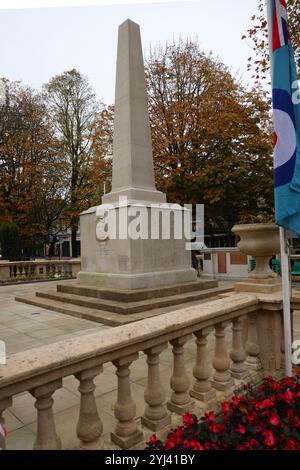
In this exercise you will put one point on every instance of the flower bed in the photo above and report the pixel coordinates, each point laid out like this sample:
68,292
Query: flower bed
265,418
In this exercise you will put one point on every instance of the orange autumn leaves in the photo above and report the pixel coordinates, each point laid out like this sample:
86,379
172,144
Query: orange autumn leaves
211,137
212,144
41,188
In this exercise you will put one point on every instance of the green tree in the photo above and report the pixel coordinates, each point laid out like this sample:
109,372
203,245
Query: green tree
9,241
75,113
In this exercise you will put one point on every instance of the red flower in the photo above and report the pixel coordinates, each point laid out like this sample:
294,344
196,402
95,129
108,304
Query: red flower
241,429
274,420
153,439
289,382
291,445
268,380
288,397
226,407
270,440
251,418
235,400
297,422
194,445
267,403
170,444
253,444
215,428
241,447
188,419
276,386
210,417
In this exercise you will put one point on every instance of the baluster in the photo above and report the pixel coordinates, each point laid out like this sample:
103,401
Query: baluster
4,404
89,426
156,416
252,346
238,354
126,433
202,389
222,379
46,439
180,399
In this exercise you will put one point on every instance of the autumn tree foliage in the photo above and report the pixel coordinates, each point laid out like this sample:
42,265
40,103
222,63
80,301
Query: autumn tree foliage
257,37
79,121
31,180
43,185
211,137
101,164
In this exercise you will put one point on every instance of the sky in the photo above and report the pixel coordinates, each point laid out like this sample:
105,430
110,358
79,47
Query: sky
37,44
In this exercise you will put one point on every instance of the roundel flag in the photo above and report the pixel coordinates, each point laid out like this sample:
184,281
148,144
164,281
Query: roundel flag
285,137
286,116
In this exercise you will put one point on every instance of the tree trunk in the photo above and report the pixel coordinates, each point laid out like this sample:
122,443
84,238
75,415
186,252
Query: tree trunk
74,243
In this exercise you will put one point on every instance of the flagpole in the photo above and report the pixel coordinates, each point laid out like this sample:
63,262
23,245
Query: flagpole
285,265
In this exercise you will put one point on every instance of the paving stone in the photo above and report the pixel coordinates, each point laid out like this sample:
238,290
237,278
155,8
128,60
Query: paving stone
21,439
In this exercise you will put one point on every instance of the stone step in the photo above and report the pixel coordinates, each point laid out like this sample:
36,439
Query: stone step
130,307
138,294
98,316
105,317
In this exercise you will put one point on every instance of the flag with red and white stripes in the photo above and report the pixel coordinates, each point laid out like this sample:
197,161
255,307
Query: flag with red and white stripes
281,35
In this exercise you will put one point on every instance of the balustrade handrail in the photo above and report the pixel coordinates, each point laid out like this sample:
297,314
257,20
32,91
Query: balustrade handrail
38,366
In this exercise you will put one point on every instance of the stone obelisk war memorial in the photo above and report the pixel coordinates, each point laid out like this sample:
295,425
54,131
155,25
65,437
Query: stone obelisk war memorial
124,279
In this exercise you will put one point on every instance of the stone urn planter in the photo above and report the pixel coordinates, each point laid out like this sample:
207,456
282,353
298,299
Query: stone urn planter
261,241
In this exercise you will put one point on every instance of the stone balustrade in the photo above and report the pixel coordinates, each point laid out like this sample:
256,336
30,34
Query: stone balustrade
38,269
40,371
